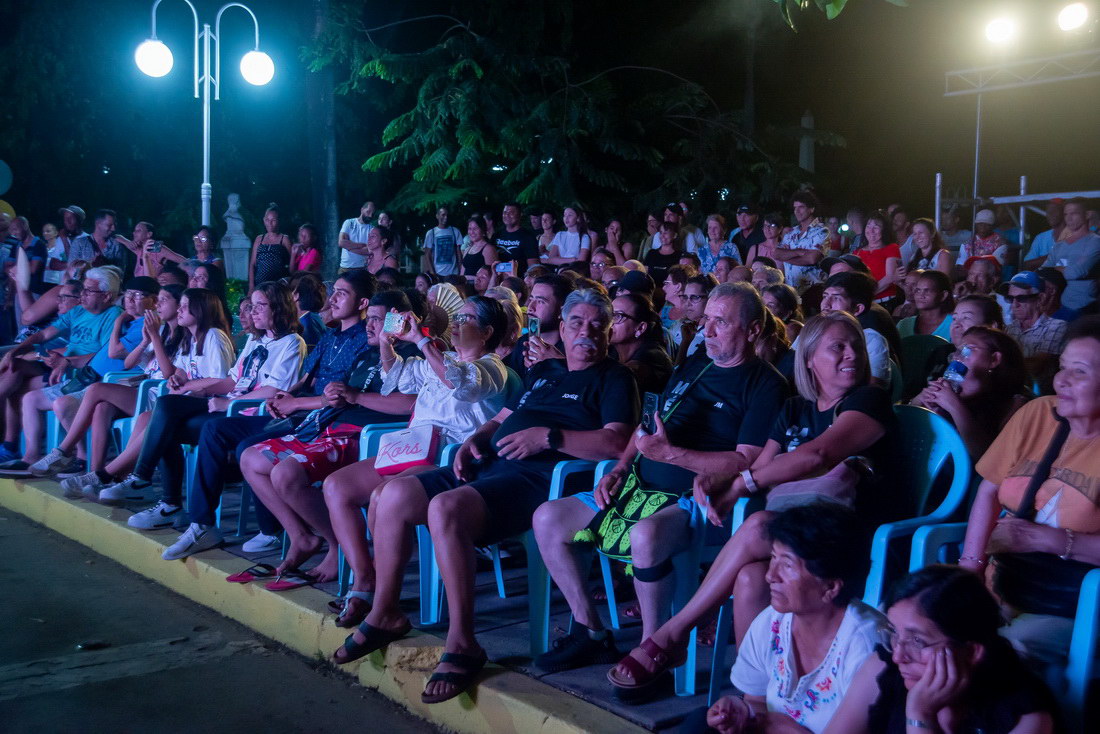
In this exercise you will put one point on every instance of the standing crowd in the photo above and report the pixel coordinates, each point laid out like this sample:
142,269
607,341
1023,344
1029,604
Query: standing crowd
705,363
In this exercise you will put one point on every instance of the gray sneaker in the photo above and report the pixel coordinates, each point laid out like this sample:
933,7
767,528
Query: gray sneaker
160,515
82,486
53,463
129,489
262,544
195,539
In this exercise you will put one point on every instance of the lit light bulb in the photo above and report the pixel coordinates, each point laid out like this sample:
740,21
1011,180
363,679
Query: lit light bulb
1000,30
257,68
1073,16
153,58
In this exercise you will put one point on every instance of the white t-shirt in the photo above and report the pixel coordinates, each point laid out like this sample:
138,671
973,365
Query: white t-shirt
443,243
356,232
570,244
278,369
764,665
57,252
215,361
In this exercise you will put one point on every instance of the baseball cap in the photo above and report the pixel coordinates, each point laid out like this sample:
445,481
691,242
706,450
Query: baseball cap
636,281
851,260
748,209
74,209
1053,276
985,216
988,258
142,283
1026,279
675,209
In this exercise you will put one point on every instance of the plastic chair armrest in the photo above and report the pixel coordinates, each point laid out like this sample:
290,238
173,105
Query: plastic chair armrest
928,540
1083,644
371,436
563,470
236,407
117,376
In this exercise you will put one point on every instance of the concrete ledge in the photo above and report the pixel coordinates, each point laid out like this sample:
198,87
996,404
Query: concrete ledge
504,700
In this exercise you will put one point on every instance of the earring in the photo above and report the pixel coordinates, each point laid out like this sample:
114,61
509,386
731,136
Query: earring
637,335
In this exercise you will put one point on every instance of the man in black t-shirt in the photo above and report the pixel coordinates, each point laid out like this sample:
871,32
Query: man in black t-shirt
515,245
748,233
717,415
581,407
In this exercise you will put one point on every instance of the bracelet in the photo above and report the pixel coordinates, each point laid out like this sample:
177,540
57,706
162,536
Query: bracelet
976,559
424,340
917,723
750,483
1069,545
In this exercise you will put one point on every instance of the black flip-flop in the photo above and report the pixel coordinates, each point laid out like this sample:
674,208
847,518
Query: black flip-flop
375,638
471,666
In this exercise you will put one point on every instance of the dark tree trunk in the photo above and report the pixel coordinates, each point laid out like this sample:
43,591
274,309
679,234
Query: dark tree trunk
322,149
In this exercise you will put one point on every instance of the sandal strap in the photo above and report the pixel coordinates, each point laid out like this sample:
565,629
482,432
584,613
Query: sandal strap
364,595
455,679
466,662
655,652
261,570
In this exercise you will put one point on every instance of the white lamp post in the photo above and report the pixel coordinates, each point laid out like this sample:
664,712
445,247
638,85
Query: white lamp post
155,59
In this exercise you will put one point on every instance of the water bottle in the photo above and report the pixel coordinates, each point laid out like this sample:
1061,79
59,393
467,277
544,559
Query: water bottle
955,374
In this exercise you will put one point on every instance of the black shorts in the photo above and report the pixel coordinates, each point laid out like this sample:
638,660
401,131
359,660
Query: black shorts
512,491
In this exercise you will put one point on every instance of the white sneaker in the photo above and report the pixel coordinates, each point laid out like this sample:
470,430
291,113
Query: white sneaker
130,488
53,463
262,544
195,539
160,515
84,485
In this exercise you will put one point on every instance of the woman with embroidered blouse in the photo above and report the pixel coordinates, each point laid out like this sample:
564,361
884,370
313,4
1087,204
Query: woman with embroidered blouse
798,661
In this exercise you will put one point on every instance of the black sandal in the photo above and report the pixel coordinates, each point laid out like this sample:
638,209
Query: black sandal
471,665
374,639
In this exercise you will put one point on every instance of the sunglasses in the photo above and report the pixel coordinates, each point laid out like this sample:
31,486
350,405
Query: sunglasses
1028,298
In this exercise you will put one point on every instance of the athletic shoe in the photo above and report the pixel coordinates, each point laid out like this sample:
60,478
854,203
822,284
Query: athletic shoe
195,539
160,515
7,455
577,650
54,462
130,488
263,544
82,486
15,468
24,333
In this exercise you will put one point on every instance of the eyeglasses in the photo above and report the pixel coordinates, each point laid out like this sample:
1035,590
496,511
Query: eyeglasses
967,349
1025,298
620,316
911,647
694,297
461,318
61,296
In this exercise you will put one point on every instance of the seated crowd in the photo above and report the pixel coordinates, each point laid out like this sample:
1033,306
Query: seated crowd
706,365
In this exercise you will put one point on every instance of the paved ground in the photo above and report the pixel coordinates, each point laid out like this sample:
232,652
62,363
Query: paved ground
152,660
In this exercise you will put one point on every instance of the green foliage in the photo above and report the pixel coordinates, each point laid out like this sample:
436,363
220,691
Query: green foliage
831,8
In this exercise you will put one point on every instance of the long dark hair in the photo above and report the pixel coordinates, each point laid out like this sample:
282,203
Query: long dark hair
1009,379
206,307
646,314
172,337
284,312
937,244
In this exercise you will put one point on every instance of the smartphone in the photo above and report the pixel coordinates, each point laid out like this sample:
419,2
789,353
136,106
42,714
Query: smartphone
504,267
533,324
393,323
650,406
156,246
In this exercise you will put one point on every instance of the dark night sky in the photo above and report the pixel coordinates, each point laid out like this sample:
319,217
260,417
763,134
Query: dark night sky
875,76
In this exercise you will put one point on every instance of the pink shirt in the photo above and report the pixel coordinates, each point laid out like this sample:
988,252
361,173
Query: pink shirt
309,260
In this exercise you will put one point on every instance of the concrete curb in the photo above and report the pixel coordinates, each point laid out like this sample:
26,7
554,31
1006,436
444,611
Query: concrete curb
504,700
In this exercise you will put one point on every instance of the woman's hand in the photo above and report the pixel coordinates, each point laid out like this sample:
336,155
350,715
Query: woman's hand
945,678
1013,535
281,404
410,329
939,396
718,494
177,381
729,715
150,328
608,486
217,405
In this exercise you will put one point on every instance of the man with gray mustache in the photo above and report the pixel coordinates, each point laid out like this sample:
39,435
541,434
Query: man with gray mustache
581,407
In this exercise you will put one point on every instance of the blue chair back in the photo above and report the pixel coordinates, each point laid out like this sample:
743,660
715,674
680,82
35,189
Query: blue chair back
929,445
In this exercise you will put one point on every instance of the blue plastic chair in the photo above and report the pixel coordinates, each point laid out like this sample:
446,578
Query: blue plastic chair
928,443
939,543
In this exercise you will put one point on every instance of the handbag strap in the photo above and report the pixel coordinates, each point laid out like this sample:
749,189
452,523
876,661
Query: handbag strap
1026,510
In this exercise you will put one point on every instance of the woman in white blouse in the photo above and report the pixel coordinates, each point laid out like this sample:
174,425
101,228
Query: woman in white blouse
572,243
457,392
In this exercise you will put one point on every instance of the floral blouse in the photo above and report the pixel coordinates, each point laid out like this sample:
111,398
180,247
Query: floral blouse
764,665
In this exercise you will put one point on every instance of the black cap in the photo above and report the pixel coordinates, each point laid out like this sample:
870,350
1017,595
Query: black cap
675,209
636,281
851,260
748,209
1054,277
142,283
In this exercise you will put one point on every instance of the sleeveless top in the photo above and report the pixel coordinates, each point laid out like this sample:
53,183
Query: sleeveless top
272,261
472,262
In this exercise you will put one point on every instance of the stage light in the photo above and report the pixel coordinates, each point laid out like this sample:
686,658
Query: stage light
1001,30
1073,16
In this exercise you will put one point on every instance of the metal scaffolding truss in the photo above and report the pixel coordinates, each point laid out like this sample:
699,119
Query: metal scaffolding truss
1025,73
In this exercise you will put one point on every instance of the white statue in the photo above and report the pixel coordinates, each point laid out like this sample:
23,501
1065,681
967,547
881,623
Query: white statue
236,245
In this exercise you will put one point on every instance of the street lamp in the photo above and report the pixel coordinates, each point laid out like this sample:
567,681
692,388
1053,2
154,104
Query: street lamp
155,59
